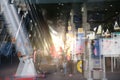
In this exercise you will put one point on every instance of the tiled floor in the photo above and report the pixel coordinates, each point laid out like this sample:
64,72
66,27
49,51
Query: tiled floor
7,72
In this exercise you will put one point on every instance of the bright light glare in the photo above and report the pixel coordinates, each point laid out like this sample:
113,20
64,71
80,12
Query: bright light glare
57,41
14,27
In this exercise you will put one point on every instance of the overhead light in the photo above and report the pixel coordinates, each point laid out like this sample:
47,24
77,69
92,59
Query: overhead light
97,13
91,35
106,9
116,12
31,21
99,31
103,33
111,5
95,29
82,9
116,26
107,33
62,4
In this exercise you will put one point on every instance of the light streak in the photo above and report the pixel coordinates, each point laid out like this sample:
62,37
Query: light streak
16,25
19,28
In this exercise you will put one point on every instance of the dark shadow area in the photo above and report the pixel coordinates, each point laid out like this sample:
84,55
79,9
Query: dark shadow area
8,64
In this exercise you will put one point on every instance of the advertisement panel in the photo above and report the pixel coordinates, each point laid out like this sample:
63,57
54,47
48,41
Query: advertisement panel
95,47
110,47
80,43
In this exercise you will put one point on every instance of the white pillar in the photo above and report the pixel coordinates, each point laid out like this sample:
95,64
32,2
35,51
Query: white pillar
112,64
104,69
89,72
86,27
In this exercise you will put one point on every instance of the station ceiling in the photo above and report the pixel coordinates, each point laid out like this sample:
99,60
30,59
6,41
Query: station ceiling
101,10
64,1
98,11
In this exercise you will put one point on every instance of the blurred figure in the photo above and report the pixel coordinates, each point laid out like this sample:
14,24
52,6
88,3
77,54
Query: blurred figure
65,67
26,66
70,66
37,60
22,57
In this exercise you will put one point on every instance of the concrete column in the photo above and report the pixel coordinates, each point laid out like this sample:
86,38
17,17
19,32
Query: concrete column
72,30
86,27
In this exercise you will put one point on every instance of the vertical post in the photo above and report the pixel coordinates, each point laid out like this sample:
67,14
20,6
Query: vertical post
104,69
84,20
72,31
114,62
85,27
100,54
100,61
89,74
111,64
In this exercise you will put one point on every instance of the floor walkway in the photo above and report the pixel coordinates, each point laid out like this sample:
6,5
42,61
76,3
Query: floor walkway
7,72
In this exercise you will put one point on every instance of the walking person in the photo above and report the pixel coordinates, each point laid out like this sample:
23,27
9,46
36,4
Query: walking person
65,67
70,66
